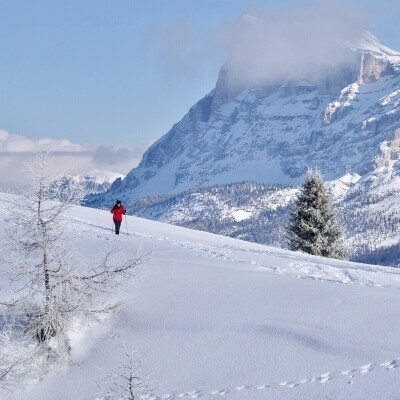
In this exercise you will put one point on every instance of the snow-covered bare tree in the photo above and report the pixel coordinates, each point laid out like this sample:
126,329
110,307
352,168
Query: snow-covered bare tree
37,251
313,227
126,382
53,286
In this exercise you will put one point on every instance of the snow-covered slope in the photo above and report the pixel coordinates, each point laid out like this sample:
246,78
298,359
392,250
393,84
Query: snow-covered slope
367,206
217,317
272,133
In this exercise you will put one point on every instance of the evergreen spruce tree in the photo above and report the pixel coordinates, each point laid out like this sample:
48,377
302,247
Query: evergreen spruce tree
313,227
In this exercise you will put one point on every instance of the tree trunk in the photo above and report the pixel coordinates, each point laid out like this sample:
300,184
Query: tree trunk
46,328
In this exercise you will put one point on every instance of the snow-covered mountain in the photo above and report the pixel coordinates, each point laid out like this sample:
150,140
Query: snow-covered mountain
271,133
368,207
344,123
214,317
246,210
94,182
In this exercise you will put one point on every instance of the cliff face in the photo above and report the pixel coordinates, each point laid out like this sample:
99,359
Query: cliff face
390,151
373,68
272,133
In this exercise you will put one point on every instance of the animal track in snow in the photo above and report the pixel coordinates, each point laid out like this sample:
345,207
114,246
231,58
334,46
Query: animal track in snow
390,364
366,368
349,374
307,269
261,387
221,392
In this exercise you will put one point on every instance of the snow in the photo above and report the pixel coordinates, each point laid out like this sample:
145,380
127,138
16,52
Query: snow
98,176
241,215
216,317
387,99
102,176
369,42
339,187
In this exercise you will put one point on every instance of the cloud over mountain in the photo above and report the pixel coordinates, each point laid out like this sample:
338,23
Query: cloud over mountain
68,157
269,45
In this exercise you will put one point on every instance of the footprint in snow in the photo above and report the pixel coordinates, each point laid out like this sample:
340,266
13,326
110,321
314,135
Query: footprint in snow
324,378
350,379
347,372
302,381
221,392
263,387
289,384
390,364
366,368
195,394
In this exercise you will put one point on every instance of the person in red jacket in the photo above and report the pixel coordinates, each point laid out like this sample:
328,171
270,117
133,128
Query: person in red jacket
118,211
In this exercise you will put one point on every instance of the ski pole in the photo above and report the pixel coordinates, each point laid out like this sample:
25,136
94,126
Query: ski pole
126,224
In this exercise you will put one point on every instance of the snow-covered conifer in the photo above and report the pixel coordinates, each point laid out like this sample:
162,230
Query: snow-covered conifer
313,227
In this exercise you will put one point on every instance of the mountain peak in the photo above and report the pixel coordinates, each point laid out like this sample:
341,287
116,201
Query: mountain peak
367,42
271,132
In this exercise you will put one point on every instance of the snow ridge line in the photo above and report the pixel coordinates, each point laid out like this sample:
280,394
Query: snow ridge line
299,270
350,375
307,269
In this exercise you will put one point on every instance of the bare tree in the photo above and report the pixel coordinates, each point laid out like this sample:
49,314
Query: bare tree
52,285
126,382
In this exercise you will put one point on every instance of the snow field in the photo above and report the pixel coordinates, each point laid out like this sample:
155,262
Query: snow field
212,316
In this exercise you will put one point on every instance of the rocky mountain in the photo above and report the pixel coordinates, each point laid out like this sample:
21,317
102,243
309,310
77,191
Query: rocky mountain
370,210
245,210
343,121
271,133
367,206
94,182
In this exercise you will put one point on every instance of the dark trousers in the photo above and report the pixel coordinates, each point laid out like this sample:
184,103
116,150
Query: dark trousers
117,226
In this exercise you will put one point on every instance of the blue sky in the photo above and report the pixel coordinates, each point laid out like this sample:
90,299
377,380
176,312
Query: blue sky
120,73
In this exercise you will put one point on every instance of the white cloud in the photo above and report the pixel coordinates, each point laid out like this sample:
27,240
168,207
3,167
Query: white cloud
265,46
67,157
14,143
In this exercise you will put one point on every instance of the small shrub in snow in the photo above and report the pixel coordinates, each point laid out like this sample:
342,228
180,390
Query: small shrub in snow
126,382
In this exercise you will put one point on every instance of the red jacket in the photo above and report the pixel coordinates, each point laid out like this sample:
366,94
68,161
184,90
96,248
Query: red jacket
118,212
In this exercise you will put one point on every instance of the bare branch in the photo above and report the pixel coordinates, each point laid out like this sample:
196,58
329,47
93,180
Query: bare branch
126,382
52,285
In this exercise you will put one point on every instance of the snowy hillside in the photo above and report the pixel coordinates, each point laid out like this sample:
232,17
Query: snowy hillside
215,317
